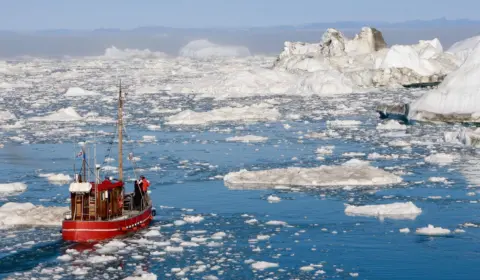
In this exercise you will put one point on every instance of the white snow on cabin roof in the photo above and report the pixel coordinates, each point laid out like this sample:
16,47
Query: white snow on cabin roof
80,187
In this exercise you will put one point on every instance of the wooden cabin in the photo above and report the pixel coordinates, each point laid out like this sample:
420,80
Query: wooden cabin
87,206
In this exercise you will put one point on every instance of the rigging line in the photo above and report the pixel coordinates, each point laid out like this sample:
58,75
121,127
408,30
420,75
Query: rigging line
134,163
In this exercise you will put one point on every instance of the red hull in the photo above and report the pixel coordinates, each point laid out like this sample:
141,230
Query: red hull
91,231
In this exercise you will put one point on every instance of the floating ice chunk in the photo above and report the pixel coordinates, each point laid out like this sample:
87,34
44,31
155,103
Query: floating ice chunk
27,214
276,223
62,115
391,125
255,113
77,92
148,138
247,139
7,116
172,249
193,219
101,259
354,274
262,265
189,244
440,158
433,231
143,276
343,123
397,210
353,173
65,258
263,237
307,268
437,179
152,233
110,247
404,230
459,230
153,127
325,150
251,221
375,156
273,199
57,178
12,189
219,235
399,144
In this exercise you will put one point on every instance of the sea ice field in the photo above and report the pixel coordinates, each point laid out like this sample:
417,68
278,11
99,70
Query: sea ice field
253,183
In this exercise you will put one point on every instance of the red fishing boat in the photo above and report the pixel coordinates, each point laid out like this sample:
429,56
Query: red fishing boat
101,209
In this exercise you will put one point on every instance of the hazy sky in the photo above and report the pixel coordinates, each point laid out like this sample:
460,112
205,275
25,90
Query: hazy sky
91,14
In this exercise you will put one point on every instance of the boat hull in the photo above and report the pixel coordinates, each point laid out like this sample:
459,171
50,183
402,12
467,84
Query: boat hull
91,231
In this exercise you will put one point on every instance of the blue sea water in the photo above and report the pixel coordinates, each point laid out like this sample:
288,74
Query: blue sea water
317,232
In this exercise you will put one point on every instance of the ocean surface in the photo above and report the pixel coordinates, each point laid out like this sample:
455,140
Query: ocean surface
313,238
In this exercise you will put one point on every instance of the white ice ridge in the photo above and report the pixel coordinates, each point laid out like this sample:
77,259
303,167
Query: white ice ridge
354,173
62,115
398,211
76,92
432,231
27,214
206,49
457,97
255,113
247,139
12,189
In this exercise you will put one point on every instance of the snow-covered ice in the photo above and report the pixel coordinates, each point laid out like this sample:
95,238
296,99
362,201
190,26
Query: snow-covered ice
12,188
27,214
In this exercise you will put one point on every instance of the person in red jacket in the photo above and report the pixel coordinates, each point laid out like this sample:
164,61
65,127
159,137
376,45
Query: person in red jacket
144,183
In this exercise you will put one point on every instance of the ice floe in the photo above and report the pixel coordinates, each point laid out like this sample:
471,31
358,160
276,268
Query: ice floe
57,178
391,125
397,211
247,139
432,231
62,115
353,173
262,265
77,92
12,188
440,158
27,214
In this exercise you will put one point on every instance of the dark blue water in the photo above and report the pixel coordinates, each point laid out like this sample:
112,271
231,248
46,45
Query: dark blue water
317,232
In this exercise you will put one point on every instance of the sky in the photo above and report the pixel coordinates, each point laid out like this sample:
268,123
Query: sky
126,14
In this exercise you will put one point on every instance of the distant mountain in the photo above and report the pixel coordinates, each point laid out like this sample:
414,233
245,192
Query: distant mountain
413,24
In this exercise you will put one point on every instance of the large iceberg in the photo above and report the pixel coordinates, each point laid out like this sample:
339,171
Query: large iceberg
354,173
458,96
206,49
367,61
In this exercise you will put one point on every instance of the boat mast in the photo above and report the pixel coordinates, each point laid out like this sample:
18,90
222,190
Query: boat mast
120,133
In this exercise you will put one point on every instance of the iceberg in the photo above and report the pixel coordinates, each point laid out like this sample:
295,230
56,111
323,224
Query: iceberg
457,97
206,49
115,53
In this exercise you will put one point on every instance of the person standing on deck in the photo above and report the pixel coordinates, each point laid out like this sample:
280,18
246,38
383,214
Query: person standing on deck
144,183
